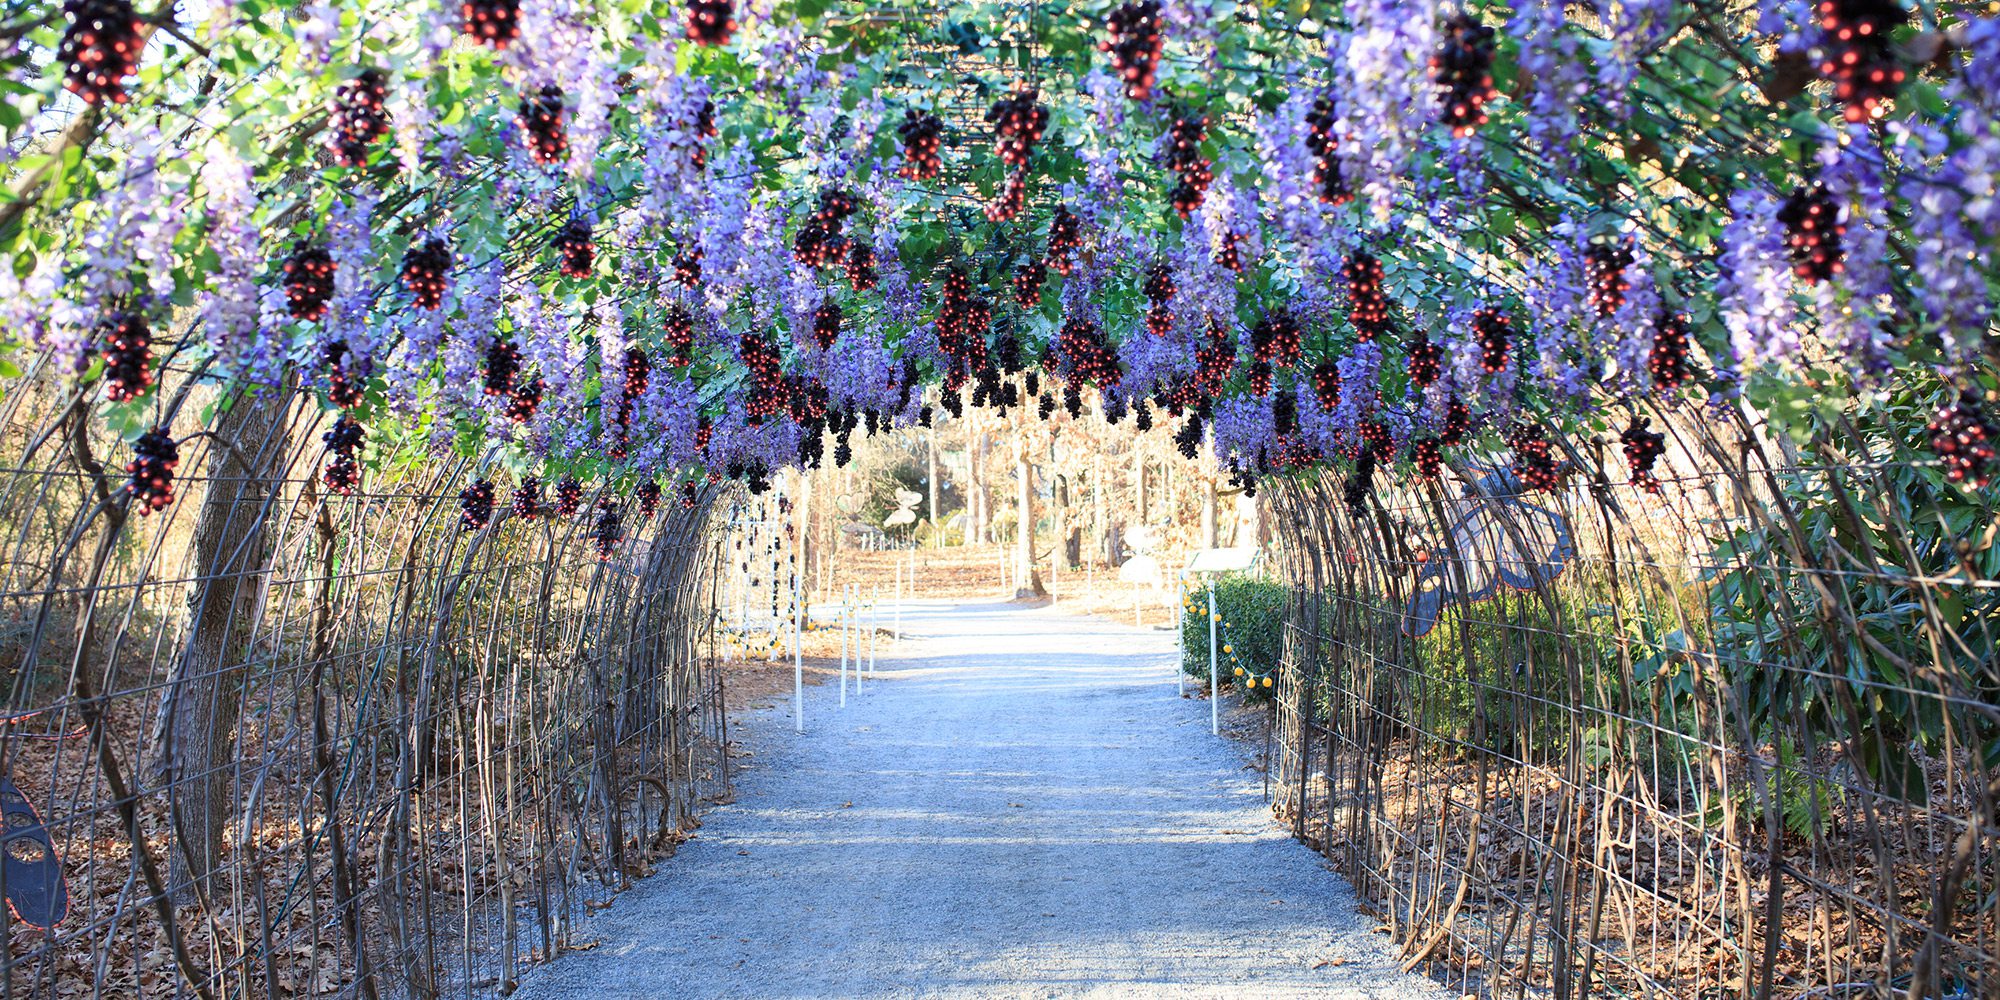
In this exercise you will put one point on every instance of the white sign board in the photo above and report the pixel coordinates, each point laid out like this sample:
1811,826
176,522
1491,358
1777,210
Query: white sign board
1234,560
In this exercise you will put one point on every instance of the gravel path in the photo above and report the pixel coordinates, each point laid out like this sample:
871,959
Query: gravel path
1020,807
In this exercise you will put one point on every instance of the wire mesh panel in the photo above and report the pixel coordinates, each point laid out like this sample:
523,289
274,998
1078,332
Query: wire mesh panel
294,735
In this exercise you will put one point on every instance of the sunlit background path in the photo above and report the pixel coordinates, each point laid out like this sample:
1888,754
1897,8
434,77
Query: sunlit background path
1021,807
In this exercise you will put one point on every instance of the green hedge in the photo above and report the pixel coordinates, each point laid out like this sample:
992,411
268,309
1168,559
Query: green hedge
1253,611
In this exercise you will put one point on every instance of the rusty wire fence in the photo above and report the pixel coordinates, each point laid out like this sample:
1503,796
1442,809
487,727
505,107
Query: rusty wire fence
1734,739
272,741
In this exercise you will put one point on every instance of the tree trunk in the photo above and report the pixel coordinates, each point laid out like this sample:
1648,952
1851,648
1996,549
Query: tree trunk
198,718
931,483
1027,579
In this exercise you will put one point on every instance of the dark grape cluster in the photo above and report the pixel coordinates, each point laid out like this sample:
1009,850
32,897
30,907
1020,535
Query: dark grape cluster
569,496
609,529
767,376
1494,331
1087,355
1643,447
1018,123
494,22
921,133
308,280
1187,440
574,247
1011,198
1276,338
1325,146
826,323
1361,482
1031,383
677,329
99,49
962,319
424,269
1428,455
861,265
1813,229
1213,361
1142,415
1326,384
503,362
542,114
1457,423
1073,401
475,505
1028,281
1159,289
711,22
154,457
1229,256
1134,45
820,242
128,355
689,498
1285,414
359,117
1426,361
1964,436
687,267
1606,264
1375,432
1856,54
343,441
1259,376
1184,159
648,495
1463,71
704,432
1367,304
528,498
1065,236
344,388
1534,457
525,399
1668,361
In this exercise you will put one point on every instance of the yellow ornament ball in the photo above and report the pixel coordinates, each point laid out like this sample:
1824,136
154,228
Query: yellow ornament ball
1228,648
1239,671
1215,618
1267,682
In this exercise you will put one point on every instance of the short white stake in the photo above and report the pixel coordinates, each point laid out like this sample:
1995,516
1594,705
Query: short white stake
844,613
798,665
1214,671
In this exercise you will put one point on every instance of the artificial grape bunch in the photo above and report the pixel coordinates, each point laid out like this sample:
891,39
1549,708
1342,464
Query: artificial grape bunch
1643,447
1463,72
1258,377
610,527
1018,123
1493,330
492,22
542,119
1367,304
99,49
677,329
952,404
1355,492
1813,229
687,267
1194,171
1276,339
1073,401
689,498
1457,423
820,242
344,388
1134,46
1229,256
1187,440
1375,432
343,470
1012,197
1606,264
475,505
648,495
1031,382
1028,281
826,324
638,372
1285,414
861,274
767,376
1534,458
359,117
1325,146
1428,456
1855,52
924,414
1213,361
425,267
1045,406
1159,289
569,496
1065,237
308,281
128,355
704,432
154,457
1426,361
528,498
1142,416
525,399
503,363
962,319
711,22
1326,385
1964,437
1668,361
921,132
574,247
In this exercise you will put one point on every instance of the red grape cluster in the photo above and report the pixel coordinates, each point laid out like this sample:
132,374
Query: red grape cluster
1457,423
424,270
638,372
1065,236
687,267
528,498
1428,455
1012,197
1259,376
494,22
569,496
99,49
475,505
573,245
1375,432
1184,159
1463,71
128,355
154,457
1018,123
1213,362
962,320
648,495
1087,356
1134,45
1276,338
1368,305
767,376
1963,437
1229,257
1606,263
1493,330
1426,361
1324,146
711,22
819,242
678,331
688,496
359,117
308,280
542,119
826,323
1668,362
1855,53
503,362
609,529
1813,229
525,399
704,432
343,470
921,132
1643,447
1534,458
1028,281
1326,384
1285,414
1159,289
342,387
861,274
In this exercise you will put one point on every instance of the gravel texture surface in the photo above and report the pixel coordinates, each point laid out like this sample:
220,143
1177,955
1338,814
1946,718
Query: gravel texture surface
1019,806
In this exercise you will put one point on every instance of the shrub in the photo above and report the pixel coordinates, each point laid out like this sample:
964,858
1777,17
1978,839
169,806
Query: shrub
1252,628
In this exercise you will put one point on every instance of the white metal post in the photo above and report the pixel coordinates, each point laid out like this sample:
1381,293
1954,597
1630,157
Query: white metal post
1214,671
1180,638
844,612
798,665
873,603
899,603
